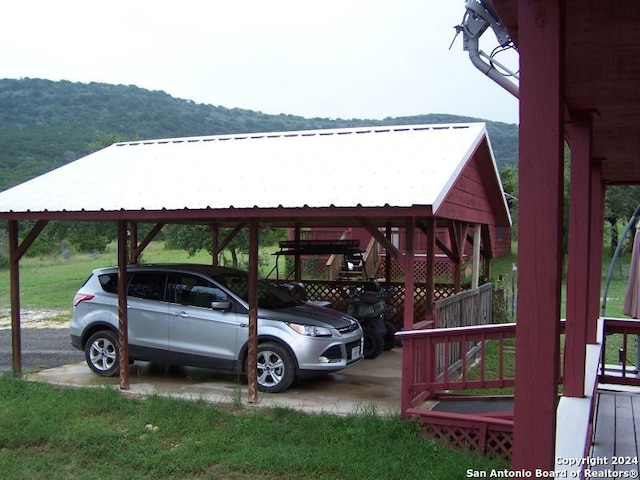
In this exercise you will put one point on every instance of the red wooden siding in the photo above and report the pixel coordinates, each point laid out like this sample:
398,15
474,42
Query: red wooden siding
475,195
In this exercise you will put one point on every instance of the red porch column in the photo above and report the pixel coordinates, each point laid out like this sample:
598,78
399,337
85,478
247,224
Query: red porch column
579,270
595,253
541,36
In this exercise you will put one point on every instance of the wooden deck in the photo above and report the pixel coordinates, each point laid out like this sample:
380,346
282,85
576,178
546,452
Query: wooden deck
616,431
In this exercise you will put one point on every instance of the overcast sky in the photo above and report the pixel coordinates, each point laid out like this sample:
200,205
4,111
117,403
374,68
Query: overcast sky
334,58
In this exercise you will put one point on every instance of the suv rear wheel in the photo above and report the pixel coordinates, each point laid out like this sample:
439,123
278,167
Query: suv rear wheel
275,368
101,353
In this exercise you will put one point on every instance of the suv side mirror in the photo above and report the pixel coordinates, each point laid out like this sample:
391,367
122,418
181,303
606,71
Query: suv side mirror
223,305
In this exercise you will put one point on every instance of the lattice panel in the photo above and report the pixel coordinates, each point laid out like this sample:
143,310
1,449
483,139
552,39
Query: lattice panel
499,444
319,290
443,270
474,436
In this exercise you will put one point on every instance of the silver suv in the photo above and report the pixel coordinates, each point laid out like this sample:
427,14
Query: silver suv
197,315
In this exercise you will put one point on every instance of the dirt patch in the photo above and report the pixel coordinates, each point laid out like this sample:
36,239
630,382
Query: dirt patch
37,318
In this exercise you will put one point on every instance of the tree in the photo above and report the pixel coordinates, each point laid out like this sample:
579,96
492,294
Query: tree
620,203
509,179
194,238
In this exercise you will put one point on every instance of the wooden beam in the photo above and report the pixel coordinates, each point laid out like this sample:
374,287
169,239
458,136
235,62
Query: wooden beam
424,227
445,249
541,33
230,237
138,248
30,238
380,238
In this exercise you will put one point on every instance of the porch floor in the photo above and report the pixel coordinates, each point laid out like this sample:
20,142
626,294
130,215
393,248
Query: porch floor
477,406
616,430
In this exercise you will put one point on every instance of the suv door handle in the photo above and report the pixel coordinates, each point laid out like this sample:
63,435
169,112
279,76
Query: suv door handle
182,314
245,325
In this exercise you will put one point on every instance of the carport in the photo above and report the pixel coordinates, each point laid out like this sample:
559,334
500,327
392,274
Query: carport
412,177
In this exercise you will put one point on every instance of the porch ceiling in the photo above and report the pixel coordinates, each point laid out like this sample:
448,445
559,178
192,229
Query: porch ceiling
601,77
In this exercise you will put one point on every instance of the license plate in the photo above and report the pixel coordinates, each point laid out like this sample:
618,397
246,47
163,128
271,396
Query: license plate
355,352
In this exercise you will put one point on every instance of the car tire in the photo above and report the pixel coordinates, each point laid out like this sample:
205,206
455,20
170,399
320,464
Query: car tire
102,354
275,368
390,336
373,343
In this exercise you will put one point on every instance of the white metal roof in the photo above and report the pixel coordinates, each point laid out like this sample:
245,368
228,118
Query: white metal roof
397,166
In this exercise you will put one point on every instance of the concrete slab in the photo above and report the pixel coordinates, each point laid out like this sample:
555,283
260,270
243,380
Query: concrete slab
370,386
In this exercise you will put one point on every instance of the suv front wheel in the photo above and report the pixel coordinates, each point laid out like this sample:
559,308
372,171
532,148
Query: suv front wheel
101,353
275,368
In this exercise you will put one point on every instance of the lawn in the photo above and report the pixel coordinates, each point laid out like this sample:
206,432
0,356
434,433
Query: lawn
106,434
63,433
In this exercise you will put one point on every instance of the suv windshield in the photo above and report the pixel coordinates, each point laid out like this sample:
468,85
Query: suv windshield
269,296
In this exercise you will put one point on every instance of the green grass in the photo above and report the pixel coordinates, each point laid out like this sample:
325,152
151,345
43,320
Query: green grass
50,282
61,433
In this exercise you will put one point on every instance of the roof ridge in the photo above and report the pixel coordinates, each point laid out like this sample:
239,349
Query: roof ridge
302,133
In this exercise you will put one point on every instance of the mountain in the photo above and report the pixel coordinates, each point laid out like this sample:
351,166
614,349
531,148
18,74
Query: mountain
45,124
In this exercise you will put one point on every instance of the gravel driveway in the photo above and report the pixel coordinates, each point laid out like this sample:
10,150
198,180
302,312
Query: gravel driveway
45,344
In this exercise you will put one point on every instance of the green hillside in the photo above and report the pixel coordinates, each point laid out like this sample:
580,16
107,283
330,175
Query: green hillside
45,124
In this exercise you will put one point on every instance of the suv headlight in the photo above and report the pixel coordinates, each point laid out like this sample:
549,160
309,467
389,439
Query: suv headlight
310,330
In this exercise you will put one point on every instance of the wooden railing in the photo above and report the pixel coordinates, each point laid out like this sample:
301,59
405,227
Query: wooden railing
426,373
371,258
627,331
428,352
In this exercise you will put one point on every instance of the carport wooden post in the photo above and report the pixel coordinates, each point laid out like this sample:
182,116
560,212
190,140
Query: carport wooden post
297,261
387,256
16,251
133,242
252,360
408,360
14,281
215,232
409,268
123,322
476,257
431,254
